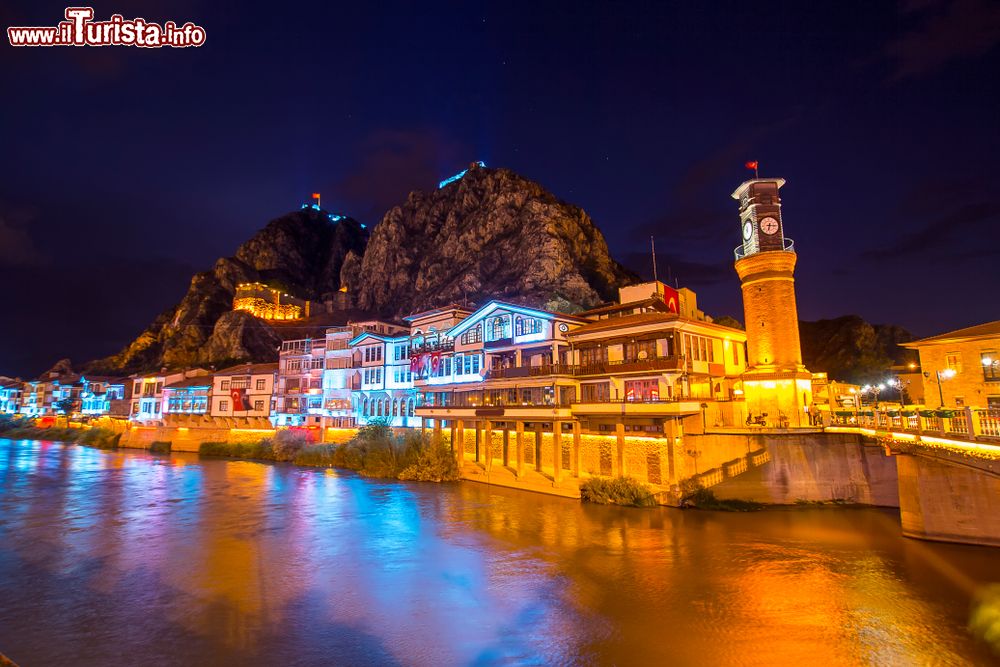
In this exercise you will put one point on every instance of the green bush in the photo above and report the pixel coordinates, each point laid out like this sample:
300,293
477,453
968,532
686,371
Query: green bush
373,452
160,447
693,494
617,491
287,444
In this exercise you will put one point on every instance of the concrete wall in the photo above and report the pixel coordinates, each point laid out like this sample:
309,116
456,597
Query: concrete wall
948,501
808,467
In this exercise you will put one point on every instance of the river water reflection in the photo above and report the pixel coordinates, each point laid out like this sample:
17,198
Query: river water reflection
111,558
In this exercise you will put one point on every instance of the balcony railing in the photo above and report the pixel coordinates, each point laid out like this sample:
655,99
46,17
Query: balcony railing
788,246
640,400
532,371
631,366
444,346
499,342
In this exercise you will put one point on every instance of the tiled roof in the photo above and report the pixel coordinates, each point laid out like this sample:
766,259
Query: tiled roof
199,381
637,319
988,330
249,369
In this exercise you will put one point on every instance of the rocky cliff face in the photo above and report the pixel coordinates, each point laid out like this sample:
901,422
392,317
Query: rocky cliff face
302,252
491,234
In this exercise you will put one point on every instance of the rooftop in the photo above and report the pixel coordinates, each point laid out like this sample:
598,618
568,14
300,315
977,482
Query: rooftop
249,369
988,330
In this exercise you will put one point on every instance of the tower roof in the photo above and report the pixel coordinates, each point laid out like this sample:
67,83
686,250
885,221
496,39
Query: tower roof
745,185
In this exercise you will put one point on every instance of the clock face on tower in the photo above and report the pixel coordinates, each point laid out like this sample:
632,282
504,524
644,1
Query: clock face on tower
769,225
747,230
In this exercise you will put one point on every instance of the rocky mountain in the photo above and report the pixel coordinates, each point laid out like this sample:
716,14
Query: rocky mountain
489,234
851,349
302,252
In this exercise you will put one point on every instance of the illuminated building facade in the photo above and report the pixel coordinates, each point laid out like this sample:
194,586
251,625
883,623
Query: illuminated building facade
188,396
269,303
961,368
299,391
639,365
10,395
39,397
776,382
147,401
100,396
244,391
382,383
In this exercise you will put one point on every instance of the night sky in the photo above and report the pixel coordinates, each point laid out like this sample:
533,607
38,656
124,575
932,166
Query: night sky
126,170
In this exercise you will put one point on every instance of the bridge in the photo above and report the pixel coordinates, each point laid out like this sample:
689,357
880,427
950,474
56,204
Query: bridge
948,468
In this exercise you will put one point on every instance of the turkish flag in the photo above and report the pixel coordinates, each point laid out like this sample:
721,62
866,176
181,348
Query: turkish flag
752,164
435,362
238,396
315,195
414,364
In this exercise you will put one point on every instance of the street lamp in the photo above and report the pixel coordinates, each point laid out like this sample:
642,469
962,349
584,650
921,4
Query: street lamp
946,374
898,384
874,390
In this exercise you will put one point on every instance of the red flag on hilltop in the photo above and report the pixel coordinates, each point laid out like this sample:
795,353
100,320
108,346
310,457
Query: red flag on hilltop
316,194
752,164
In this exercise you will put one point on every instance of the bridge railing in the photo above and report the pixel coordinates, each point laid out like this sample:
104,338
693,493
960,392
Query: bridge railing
962,423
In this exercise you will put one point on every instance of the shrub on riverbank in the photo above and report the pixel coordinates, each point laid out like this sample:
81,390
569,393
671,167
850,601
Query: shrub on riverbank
694,495
617,491
374,452
160,447
93,437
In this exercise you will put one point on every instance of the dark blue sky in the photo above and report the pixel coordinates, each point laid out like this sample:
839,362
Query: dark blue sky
125,170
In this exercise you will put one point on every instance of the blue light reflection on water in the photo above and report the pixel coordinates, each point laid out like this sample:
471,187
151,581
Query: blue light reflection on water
130,558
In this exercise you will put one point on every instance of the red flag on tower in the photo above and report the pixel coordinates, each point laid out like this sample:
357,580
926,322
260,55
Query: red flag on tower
316,194
750,165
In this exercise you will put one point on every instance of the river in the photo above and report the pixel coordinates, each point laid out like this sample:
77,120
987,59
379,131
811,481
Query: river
129,558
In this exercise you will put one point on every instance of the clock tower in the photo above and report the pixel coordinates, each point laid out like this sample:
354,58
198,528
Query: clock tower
776,381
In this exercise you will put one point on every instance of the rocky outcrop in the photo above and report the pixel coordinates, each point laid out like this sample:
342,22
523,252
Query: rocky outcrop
239,336
490,234
302,253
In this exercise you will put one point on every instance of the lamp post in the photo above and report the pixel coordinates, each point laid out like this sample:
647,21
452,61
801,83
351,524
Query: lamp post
898,384
874,390
946,374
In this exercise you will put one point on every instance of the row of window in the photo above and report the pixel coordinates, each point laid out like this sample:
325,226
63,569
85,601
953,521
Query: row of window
373,353
243,383
700,348
304,364
373,375
258,406
989,361
385,407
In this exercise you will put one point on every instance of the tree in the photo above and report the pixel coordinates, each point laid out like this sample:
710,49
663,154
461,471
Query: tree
66,406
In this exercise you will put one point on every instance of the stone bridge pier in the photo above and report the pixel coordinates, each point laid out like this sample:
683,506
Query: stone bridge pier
949,498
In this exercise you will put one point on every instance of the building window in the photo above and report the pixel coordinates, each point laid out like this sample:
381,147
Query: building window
990,360
527,325
261,384
642,390
225,385
953,360
258,406
473,335
500,328
224,406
